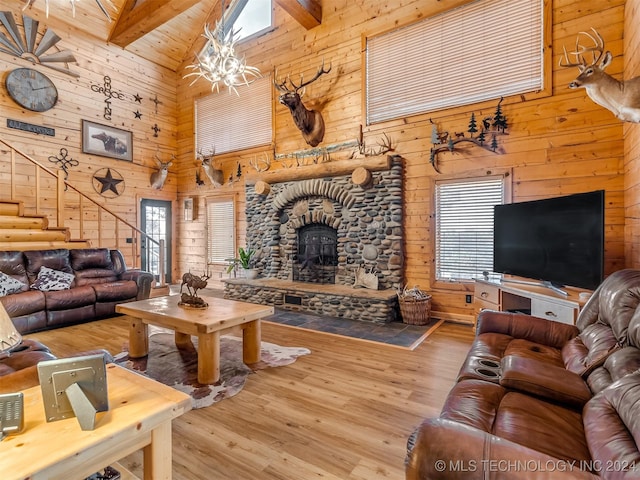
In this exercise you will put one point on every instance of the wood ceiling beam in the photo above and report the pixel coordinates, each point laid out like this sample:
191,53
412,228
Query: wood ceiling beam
307,13
136,21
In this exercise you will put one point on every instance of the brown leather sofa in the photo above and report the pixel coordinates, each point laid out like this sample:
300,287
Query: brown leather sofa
100,281
540,399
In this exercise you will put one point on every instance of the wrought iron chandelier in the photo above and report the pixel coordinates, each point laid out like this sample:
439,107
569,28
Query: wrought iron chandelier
218,63
73,7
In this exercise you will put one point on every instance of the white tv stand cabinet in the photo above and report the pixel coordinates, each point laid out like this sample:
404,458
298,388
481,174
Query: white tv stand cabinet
522,295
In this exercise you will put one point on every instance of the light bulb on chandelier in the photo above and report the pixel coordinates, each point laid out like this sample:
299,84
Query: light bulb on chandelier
29,3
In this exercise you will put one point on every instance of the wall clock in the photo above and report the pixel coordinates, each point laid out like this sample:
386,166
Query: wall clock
31,89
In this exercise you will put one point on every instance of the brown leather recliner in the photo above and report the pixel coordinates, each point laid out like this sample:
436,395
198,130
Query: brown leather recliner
596,348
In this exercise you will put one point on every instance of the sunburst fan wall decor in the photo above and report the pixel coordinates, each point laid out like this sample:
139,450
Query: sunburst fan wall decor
24,43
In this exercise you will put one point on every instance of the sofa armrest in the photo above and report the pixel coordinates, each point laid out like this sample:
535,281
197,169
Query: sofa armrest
447,449
143,280
543,380
518,325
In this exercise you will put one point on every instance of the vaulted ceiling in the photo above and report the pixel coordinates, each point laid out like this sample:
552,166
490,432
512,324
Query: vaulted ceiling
166,32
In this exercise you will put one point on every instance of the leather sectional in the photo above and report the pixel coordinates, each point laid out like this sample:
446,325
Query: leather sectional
99,281
540,399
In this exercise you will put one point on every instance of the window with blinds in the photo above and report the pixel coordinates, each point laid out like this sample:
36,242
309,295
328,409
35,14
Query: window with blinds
221,238
229,122
464,226
480,51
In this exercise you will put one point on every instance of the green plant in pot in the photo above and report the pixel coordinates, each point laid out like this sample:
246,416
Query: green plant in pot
244,260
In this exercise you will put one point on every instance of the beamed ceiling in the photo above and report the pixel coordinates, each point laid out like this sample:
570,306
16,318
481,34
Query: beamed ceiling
166,32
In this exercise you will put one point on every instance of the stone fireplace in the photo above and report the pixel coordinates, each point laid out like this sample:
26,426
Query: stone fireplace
313,235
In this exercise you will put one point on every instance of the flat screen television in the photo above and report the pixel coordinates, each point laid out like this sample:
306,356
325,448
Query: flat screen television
556,240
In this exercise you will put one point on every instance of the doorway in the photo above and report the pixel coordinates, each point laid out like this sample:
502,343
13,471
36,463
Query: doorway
155,221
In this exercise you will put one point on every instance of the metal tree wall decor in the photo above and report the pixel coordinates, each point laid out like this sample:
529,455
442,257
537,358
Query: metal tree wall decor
491,126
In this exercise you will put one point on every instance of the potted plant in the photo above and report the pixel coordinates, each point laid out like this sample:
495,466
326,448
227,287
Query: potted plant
244,260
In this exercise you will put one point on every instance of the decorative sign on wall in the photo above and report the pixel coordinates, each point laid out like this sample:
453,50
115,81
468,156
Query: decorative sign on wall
29,127
105,89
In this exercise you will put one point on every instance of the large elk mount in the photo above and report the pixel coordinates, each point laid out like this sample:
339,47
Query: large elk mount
622,98
309,122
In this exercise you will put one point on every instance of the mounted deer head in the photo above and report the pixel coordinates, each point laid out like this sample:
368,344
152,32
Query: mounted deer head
214,175
158,177
309,122
621,98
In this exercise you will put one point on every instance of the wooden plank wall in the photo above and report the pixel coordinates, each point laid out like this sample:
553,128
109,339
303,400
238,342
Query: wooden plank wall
557,145
632,141
130,75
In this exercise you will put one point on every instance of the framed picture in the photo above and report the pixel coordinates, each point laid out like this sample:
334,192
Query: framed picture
106,141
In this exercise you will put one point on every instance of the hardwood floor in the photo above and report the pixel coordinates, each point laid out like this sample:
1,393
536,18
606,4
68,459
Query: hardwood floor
343,412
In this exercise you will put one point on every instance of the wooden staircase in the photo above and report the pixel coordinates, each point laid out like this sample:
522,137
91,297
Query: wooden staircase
20,232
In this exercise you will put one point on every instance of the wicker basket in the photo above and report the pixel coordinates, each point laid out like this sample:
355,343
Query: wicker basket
415,311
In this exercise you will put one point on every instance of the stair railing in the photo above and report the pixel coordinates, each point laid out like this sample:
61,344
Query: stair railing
80,210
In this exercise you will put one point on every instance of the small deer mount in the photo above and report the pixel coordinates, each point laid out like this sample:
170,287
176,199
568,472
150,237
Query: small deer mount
206,162
621,98
309,122
446,142
158,177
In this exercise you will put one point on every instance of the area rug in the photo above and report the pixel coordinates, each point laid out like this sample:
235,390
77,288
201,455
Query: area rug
178,368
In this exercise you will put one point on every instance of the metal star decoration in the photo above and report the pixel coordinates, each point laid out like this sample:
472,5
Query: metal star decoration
137,98
138,114
108,182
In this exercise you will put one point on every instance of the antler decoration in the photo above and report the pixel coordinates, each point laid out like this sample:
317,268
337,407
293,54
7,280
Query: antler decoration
261,165
443,142
384,146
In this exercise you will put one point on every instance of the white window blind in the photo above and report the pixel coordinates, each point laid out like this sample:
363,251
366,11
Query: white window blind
229,122
221,242
464,226
480,51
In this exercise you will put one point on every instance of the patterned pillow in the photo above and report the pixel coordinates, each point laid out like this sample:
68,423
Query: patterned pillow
9,285
49,279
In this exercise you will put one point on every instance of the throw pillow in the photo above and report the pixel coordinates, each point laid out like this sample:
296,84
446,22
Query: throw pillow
9,285
49,279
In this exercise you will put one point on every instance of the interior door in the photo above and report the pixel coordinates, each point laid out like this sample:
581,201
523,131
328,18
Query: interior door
156,222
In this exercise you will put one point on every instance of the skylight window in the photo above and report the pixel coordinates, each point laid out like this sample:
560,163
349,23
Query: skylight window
249,17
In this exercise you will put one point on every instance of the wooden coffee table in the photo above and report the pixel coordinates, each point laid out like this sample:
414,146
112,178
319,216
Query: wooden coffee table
207,324
139,417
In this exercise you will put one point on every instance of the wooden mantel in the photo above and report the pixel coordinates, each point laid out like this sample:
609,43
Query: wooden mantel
320,170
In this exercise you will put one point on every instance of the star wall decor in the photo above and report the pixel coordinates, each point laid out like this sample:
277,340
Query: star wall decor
138,114
137,98
108,182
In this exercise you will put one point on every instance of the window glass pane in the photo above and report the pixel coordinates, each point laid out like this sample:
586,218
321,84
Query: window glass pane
464,227
480,51
254,17
220,231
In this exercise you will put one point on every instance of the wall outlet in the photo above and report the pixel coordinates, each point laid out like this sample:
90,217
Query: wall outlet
468,299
